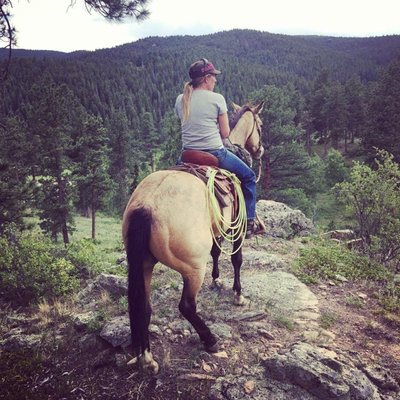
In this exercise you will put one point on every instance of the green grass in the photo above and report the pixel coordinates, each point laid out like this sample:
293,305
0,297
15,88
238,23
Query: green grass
108,242
108,237
328,319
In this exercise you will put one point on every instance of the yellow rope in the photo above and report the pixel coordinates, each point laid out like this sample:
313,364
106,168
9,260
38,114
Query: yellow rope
228,229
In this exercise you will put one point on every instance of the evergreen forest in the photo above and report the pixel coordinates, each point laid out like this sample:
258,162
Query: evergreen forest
80,130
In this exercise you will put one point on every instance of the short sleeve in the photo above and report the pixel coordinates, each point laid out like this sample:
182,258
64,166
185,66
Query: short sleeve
221,103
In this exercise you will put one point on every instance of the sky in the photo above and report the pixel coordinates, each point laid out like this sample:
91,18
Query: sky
54,25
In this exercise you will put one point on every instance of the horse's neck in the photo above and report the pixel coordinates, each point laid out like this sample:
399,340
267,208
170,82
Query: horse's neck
241,131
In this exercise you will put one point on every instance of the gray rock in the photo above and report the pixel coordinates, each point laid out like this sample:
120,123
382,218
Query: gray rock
116,285
113,284
381,377
82,320
117,332
320,372
232,388
282,294
282,221
19,341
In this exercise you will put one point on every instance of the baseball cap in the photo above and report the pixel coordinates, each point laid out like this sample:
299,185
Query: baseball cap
201,68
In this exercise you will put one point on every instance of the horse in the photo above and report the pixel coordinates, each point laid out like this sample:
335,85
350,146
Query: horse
167,220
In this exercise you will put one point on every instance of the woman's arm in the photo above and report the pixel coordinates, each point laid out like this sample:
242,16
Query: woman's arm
223,125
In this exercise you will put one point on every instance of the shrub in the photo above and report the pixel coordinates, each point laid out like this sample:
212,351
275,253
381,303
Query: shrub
329,260
335,168
82,254
29,269
373,197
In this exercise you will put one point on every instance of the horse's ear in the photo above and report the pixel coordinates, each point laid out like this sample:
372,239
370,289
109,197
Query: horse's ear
235,107
259,107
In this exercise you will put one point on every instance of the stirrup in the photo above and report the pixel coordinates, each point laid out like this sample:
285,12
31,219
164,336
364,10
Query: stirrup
255,227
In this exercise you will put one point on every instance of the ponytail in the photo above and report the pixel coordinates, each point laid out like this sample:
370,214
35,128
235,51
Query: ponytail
187,94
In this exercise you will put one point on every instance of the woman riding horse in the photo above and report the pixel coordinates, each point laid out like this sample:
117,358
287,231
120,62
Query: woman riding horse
204,120
167,220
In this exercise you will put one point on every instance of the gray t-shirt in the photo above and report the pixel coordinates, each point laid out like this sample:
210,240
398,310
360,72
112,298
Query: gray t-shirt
201,130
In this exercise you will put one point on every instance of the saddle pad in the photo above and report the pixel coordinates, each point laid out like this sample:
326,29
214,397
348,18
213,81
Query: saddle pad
224,189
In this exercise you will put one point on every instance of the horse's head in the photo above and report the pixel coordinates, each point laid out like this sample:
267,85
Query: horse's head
247,129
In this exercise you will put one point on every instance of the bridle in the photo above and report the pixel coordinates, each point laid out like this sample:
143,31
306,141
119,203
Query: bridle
257,126
259,130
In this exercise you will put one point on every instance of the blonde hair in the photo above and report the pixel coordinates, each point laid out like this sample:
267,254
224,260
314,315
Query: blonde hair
187,94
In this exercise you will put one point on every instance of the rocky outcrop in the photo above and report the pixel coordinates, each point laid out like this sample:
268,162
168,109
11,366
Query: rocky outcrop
306,372
282,221
321,373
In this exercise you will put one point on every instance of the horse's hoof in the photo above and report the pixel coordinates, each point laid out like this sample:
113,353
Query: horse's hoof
133,361
239,300
218,284
146,363
213,348
151,368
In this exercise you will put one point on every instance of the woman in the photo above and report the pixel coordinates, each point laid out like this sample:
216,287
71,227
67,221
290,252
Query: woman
204,121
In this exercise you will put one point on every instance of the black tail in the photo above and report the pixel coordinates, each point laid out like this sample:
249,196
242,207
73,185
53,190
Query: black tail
137,250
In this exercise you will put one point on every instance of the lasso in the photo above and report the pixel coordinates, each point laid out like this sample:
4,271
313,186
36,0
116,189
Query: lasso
229,230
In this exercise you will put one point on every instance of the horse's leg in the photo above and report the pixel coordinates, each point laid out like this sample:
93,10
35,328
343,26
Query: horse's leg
237,260
215,253
187,306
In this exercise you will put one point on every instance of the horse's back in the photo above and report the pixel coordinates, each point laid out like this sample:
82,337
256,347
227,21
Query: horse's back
180,228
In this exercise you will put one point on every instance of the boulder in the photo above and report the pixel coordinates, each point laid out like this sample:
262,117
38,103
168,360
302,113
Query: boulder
282,221
115,285
321,372
117,332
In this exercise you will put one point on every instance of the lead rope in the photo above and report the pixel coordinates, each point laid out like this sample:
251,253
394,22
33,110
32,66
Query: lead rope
230,230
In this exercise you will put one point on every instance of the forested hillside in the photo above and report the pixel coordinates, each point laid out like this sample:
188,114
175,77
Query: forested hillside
103,120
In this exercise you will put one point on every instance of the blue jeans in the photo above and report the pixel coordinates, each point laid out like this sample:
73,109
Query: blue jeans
246,175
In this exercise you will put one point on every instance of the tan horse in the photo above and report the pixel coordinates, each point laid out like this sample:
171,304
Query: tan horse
167,220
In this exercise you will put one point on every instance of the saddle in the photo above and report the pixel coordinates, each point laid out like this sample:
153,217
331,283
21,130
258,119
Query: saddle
199,163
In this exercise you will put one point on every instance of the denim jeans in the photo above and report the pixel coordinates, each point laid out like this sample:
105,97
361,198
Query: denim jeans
246,175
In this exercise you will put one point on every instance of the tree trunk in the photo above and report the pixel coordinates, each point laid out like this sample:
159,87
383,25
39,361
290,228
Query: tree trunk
326,142
62,202
93,223
93,215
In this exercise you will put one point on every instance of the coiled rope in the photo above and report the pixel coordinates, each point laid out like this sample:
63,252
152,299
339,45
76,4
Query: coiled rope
230,230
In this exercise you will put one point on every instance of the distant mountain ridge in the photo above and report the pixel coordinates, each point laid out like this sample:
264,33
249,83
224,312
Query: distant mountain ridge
146,75
379,48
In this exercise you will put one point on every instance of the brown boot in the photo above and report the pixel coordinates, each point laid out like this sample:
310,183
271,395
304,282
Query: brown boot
254,227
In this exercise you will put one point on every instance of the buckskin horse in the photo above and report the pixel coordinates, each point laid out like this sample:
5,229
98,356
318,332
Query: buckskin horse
167,220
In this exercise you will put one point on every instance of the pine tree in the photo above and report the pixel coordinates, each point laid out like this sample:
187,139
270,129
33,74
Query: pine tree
92,175
383,129
57,115
16,187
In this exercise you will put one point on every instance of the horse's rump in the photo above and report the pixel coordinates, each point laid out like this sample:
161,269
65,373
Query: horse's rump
180,228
